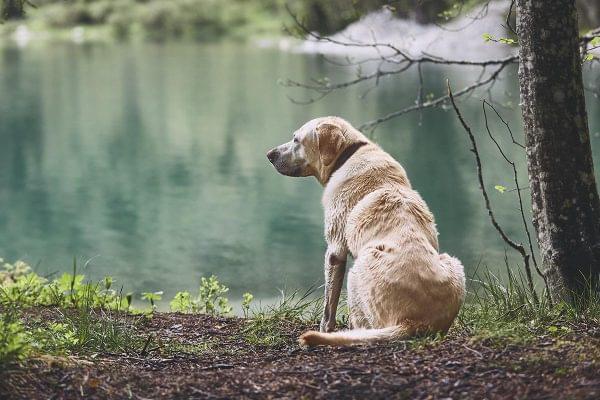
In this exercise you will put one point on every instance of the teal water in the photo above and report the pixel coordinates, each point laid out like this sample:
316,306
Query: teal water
149,161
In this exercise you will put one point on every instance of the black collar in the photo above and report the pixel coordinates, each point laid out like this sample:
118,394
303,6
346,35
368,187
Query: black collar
346,154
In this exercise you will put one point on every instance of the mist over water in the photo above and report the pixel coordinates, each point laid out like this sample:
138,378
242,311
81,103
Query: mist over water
459,39
150,160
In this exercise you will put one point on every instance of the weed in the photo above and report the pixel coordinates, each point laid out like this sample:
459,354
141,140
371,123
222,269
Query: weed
152,297
19,285
13,337
505,310
89,315
246,300
210,299
265,327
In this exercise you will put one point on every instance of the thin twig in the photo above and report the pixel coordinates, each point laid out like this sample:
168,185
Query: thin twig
516,246
512,137
518,190
419,100
483,12
433,103
144,351
477,353
405,61
377,46
508,25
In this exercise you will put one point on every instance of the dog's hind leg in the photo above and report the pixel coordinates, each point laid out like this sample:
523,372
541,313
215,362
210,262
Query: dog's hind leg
356,313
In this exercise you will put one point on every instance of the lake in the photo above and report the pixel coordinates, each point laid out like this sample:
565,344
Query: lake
149,162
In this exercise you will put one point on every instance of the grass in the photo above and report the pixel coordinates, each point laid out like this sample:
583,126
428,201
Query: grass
264,325
78,331
507,311
85,318
86,331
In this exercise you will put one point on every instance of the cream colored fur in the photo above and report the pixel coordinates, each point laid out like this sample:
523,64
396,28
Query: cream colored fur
399,285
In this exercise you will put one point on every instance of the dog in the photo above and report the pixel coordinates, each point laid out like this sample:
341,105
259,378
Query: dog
400,285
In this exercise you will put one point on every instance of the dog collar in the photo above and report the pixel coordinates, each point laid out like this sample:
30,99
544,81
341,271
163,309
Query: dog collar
346,154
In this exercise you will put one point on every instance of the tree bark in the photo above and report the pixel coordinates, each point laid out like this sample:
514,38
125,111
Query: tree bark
566,208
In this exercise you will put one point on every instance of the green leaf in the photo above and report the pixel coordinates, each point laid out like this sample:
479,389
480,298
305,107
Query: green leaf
589,57
487,37
152,295
182,302
500,188
108,281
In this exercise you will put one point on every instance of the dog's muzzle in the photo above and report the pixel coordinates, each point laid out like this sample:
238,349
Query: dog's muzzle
273,155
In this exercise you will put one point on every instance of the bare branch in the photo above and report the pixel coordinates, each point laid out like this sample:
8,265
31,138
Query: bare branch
508,25
516,246
518,189
377,46
483,11
328,87
328,39
512,137
419,100
435,102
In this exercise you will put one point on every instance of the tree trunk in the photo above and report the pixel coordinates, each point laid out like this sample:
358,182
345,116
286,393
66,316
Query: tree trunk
12,9
566,209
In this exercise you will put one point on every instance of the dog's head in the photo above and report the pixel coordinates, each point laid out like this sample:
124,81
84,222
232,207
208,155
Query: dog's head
314,148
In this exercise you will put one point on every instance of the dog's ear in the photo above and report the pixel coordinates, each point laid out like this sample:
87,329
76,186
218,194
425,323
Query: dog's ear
331,140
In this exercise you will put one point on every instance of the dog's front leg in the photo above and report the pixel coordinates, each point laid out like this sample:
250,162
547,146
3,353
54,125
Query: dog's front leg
335,267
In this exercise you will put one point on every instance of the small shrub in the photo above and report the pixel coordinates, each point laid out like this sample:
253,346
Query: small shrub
19,285
246,300
152,297
13,338
9,273
88,322
100,11
68,15
160,20
120,23
210,299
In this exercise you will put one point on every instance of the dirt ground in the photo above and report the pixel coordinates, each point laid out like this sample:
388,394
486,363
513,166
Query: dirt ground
202,357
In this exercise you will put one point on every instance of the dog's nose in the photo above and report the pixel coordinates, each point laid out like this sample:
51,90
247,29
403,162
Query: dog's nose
272,155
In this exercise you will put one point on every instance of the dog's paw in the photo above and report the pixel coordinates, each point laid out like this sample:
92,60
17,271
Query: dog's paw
302,342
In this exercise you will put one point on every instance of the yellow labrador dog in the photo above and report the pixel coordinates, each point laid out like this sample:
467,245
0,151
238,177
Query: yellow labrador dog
399,285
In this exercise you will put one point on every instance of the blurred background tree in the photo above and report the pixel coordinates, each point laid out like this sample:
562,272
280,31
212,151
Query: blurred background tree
12,9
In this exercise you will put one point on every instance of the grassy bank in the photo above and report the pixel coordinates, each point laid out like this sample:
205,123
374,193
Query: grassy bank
71,338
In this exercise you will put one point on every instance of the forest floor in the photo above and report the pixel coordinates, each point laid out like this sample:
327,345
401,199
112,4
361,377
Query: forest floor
199,356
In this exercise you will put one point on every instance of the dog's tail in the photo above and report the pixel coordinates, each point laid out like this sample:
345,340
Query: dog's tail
356,336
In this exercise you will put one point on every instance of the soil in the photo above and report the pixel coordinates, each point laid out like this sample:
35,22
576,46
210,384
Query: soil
203,357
